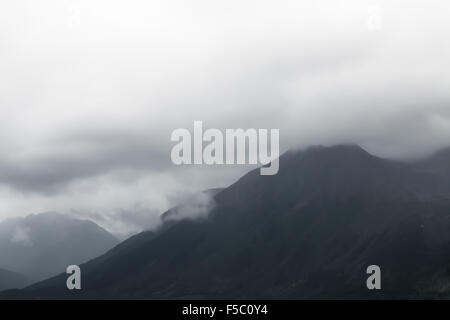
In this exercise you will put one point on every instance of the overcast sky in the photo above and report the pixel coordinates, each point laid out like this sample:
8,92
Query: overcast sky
90,91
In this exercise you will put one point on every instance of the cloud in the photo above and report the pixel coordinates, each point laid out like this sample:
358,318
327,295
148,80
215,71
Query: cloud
123,222
90,91
22,236
196,206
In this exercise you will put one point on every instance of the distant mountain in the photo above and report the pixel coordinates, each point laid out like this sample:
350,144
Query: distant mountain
43,245
11,280
308,232
439,162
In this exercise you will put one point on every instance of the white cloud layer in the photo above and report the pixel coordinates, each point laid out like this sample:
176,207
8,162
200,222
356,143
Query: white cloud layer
91,90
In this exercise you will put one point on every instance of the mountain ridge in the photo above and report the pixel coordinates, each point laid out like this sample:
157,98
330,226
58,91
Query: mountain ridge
308,232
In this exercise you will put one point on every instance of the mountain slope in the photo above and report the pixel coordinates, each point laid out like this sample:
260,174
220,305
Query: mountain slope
308,232
43,245
10,280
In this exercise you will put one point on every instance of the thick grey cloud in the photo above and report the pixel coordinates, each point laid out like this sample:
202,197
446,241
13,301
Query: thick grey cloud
93,155
90,91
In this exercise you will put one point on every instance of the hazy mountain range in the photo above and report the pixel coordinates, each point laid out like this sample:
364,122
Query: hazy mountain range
308,232
9,280
42,245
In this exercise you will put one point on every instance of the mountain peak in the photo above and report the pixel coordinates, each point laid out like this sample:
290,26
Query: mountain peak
345,147
44,244
340,150
47,215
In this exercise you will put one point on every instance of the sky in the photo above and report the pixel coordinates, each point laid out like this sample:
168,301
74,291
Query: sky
90,92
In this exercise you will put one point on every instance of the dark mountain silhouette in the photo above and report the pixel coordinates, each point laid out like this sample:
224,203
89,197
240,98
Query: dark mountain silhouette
11,280
43,245
308,232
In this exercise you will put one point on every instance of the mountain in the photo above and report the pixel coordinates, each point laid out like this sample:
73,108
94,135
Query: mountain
310,231
438,163
43,245
11,280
